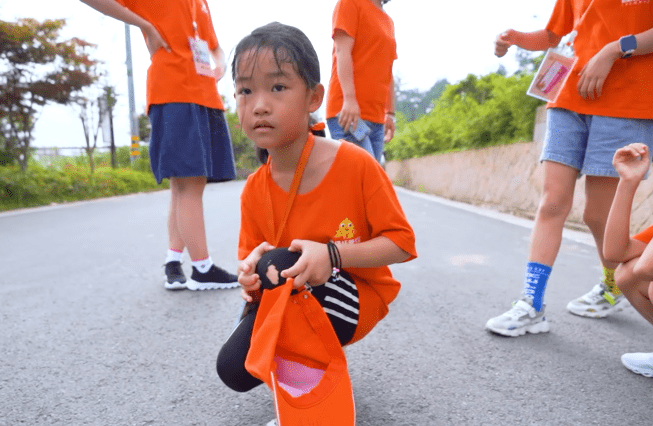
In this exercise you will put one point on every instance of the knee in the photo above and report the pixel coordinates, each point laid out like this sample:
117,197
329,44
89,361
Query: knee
235,377
554,206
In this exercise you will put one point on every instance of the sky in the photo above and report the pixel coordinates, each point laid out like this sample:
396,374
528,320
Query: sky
435,40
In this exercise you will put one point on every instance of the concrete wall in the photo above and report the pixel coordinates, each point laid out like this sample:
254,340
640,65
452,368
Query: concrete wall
506,178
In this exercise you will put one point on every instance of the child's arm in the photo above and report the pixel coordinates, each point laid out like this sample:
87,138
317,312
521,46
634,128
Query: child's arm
314,265
631,162
220,63
111,8
536,40
350,112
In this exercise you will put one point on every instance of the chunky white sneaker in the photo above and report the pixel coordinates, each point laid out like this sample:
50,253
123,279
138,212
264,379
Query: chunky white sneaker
519,320
639,363
598,303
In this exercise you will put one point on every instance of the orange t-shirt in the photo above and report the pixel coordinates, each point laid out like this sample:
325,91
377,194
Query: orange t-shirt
375,49
171,77
355,202
628,89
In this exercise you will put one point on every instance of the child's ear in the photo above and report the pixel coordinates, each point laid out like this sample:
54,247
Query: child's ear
317,96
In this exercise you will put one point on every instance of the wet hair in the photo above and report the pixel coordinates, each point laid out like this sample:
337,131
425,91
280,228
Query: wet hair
288,45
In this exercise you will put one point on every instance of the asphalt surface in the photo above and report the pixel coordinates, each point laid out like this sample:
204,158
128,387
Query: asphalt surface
89,336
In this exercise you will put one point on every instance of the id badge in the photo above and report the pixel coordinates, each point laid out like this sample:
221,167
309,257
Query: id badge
551,76
201,56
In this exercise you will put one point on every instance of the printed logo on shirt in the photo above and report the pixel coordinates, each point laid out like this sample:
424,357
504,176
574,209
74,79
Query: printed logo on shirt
346,232
629,2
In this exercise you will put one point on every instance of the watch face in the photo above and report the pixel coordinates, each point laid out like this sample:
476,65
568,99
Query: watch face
628,43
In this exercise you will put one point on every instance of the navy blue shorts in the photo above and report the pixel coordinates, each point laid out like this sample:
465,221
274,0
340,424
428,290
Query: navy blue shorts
190,140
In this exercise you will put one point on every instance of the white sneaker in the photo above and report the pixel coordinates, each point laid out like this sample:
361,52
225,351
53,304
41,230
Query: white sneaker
519,320
598,303
639,363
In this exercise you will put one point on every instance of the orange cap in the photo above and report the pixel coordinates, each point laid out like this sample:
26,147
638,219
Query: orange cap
296,352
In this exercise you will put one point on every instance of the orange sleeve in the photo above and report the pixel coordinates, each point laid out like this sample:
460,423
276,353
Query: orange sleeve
562,19
645,236
345,18
385,216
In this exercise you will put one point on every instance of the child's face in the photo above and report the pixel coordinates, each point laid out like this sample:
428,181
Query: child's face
273,103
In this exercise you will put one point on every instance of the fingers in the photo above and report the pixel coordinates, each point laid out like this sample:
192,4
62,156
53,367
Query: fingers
503,43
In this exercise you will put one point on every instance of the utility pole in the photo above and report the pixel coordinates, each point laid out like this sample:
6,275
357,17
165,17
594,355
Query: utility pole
133,119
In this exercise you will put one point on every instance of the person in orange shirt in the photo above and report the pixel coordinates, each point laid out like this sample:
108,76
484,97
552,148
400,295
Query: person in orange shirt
634,275
189,142
360,99
604,104
328,201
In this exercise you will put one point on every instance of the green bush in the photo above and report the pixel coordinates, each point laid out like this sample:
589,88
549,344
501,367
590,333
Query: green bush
42,186
474,113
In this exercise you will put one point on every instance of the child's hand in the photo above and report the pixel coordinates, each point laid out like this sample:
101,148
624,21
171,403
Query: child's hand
247,276
631,161
313,266
503,42
595,71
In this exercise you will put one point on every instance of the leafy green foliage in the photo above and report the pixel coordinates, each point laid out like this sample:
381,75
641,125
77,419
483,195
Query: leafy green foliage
244,149
413,104
69,182
473,113
37,68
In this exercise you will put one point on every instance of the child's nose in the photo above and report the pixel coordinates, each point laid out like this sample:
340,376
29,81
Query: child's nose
261,105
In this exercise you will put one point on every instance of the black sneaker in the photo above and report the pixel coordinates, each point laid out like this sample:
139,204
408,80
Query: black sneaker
175,278
214,279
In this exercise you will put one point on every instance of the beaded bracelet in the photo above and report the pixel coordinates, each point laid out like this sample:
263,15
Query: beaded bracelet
334,257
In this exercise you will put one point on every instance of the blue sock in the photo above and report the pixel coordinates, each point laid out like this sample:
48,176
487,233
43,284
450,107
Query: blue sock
535,283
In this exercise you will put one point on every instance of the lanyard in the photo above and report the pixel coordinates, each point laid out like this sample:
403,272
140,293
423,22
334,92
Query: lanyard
193,14
297,178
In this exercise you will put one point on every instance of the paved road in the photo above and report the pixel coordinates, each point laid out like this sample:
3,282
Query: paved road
90,337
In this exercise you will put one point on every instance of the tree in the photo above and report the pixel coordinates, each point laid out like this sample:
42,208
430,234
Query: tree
413,103
95,105
144,127
37,69
107,102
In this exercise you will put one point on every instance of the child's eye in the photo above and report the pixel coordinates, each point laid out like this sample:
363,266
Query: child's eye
278,87
244,91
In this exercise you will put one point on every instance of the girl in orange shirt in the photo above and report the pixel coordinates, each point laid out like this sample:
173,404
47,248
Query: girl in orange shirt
604,104
362,87
190,142
329,202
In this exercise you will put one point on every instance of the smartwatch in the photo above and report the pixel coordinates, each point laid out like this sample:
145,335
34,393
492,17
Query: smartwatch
627,45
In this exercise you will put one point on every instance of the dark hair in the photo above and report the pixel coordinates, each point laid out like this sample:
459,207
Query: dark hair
288,44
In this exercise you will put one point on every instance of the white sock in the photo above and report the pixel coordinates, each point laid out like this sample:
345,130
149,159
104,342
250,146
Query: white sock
203,265
173,256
